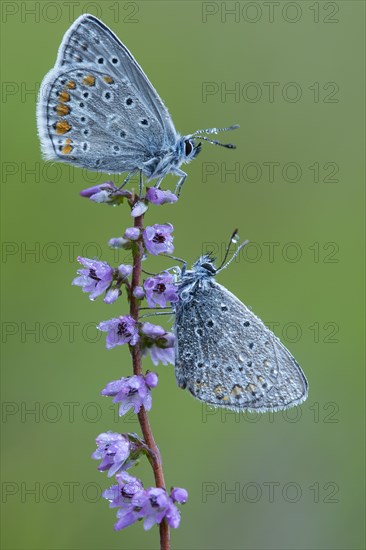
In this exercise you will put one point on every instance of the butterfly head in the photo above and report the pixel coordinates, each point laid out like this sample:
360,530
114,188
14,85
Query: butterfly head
203,270
191,145
205,266
189,141
190,148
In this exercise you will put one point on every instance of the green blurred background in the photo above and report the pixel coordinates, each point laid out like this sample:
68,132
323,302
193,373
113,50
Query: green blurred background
283,481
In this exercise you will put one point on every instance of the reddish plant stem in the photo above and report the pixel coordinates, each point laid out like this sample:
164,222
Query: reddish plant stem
156,462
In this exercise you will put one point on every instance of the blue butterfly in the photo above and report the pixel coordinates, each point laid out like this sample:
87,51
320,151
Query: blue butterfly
98,110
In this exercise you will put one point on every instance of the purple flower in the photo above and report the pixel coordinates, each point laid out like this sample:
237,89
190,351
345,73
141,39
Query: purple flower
158,239
134,503
151,379
155,505
179,495
112,295
106,192
113,451
126,515
160,290
121,494
158,342
91,191
138,209
138,292
125,270
96,278
132,392
117,242
132,233
157,196
120,330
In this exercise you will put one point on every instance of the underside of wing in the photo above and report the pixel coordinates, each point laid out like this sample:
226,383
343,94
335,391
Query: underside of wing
228,358
88,119
96,108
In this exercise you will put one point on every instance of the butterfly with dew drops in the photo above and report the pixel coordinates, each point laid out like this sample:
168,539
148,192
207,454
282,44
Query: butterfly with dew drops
98,110
224,354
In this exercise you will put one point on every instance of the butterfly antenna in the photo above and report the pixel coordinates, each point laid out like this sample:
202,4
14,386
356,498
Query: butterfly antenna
216,131
232,239
223,265
215,142
174,258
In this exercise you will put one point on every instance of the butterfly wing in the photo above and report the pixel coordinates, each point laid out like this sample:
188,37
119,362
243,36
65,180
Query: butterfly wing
96,107
228,358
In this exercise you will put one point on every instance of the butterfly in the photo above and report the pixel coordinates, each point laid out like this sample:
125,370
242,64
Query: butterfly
98,110
224,354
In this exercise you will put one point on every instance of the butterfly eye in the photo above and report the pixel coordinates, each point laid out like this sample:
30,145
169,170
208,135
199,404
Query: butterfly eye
209,267
188,147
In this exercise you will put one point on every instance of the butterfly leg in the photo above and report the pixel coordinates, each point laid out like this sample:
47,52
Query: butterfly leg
157,184
183,177
141,184
171,312
127,179
175,258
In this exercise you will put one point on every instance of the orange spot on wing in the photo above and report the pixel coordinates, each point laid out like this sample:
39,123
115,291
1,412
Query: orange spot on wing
62,126
89,80
64,96
71,85
62,109
108,79
66,150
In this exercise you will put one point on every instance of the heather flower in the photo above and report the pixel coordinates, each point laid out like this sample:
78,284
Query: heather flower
158,342
121,494
91,191
125,241
179,495
138,209
125,270
157,196
135,503
117,242
155,505
112,295
126,515
118,452
96,278
151,379
158,239
138,292
120,330
160,290
132,233
106,192
113,451
132,392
